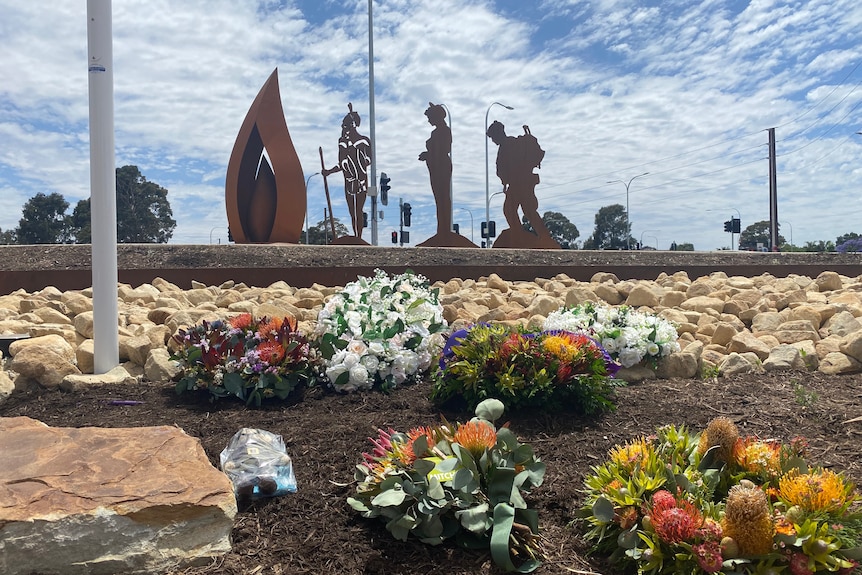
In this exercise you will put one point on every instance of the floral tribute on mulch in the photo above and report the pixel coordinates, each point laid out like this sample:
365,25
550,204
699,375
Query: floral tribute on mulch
465,481
715,502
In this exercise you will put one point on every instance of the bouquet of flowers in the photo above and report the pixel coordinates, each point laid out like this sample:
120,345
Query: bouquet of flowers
251,358
628,335
464,481
381,330
719,503
525,369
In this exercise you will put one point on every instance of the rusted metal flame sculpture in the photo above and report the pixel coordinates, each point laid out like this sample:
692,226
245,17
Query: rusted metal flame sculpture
265,188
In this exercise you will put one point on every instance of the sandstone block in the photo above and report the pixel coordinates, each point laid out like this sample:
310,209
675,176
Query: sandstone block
852,345
682,364
701,304
84,355
142,500
578,295
723,333
160,366
642,295
42,365
828,281
836,363
784,357
842,323
77,382
745,341
51,342
495,282
608,293
7,386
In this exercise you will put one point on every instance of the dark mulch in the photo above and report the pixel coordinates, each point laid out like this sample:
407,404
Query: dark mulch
315,531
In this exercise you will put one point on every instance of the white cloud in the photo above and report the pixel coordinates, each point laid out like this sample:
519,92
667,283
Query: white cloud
611,89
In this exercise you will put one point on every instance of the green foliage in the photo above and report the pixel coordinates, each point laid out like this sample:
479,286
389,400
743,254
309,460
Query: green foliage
321,233
612,231
660,503
80,222
563,231
819,246
757,233
8,237
804,397
685,247
465,482
144,214
552,368
44,220
252,359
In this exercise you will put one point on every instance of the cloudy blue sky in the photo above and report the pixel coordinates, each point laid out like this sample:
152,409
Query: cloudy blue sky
684,90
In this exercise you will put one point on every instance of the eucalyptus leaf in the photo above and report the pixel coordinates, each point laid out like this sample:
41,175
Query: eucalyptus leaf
475,519
389,498
420,445
423,466
504,518
603,510
435,490
400,527
464,480
490,409
628,539
234,383
357,505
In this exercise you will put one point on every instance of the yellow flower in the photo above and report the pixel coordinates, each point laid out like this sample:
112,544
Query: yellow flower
818,490
757,456
631,454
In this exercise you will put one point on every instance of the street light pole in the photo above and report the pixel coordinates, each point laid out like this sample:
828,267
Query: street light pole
306,204
791,233
645,231
471,223
628,220
487,184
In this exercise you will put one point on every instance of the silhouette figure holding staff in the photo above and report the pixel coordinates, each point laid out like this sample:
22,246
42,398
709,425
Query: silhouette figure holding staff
516,158
354,157
438,159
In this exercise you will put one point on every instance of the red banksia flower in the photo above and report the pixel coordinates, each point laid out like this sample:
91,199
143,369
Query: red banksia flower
708,556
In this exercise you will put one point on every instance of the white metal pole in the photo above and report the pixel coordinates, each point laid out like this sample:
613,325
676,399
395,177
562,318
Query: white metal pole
372,180
103,186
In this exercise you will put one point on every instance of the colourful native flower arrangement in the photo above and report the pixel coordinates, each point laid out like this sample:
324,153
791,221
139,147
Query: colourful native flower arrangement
381,331
716,502
628,335
465,481
524,369
247,357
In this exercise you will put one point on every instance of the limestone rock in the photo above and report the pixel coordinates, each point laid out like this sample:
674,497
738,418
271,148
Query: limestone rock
642,295
852,345
104,501
42,365
784,357
54,343
736,363
836,362
608,293
7,386
746,342
828,281
77,381
160,366
84,354
680,364
842,323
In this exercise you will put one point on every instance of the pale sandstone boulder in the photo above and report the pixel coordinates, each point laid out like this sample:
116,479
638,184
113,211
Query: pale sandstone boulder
828,281
608,293
701,304
52,342
42,365
841,324
852,345
580,294
744,363
117,375
808,353
84,356
142,500
723,333
680,364
784,357
642,295
796,330
159,366
7,386
745,341
836,363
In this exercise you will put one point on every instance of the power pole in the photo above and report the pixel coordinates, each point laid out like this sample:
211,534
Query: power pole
372,180
773,195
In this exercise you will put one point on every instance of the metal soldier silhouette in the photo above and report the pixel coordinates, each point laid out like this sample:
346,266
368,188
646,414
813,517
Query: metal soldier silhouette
354,157
516,158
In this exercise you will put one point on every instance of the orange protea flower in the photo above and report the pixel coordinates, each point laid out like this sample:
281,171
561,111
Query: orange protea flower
565,345
270,328
755,456
820,490
242,321
631,454
476,437
271,352
404,451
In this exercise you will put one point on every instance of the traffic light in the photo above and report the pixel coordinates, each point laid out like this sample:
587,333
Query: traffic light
484,230
394,237
364,219
728,225
737,225
406,212
456,228
384,189
492,229
405,237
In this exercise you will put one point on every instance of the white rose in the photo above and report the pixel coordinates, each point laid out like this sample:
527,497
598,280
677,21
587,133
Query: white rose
357,346
358,375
